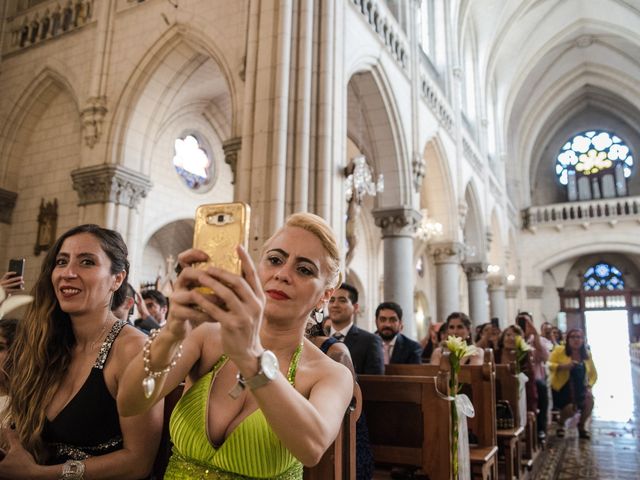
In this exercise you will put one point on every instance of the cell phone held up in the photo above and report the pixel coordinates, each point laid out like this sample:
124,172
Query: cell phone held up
219,229
16,265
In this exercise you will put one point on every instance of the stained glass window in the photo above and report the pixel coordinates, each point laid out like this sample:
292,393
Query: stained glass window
192,162
592,152
603,276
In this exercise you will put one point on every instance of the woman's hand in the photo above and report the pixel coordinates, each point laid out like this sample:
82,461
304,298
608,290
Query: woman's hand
17,462
12,284
239,310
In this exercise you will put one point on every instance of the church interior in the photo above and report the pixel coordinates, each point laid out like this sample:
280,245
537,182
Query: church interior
471,155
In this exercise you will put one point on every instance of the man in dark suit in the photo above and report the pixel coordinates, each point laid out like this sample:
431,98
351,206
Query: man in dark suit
396,347
365,347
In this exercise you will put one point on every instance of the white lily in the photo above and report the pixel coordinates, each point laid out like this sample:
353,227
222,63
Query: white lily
8,304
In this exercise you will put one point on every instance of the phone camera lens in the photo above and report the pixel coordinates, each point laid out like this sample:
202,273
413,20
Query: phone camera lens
220,218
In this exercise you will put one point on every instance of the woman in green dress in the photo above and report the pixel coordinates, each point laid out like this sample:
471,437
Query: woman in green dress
260,400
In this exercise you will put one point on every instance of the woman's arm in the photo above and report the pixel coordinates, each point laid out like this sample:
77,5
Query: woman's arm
187,306
307,427
140,434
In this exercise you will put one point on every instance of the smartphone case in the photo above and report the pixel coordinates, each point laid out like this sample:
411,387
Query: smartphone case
219,229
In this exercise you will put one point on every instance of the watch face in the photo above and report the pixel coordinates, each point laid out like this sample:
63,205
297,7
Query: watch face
269,364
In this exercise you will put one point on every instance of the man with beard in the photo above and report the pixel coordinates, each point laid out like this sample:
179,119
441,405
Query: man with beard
396,347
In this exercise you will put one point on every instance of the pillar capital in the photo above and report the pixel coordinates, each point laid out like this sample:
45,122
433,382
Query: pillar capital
7,203
534,291
110,183
512,291
496,281
447,252
397,221
476,270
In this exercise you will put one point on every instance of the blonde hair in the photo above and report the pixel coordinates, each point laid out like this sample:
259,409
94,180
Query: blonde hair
321,229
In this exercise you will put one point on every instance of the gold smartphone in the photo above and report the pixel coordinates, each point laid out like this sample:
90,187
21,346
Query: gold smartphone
218,230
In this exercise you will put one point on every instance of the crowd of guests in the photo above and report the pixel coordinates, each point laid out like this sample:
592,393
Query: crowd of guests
268,362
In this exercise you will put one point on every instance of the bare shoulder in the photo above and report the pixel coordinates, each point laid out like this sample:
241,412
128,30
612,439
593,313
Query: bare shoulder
322,366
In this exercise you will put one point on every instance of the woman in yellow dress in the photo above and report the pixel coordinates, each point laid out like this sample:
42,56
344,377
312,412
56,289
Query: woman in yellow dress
260,400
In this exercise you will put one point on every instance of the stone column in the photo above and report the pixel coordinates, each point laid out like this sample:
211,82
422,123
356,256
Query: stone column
447,258
497,299
478,300
511,293
397,226
533,305
109,196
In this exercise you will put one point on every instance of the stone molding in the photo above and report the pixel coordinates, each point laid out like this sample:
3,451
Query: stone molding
476,270
231,149
7,204
418,168
92,117
496,281
534,291
512,291
447,252
110,183
397,222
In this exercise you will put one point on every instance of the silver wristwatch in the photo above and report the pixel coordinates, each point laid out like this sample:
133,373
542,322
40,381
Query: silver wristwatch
268,370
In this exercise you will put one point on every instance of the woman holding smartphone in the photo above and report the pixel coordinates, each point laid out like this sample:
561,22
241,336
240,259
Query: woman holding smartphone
271,401
572,373
66,365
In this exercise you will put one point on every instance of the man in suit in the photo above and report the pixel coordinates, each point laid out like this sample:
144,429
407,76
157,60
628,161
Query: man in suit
365,347
396,347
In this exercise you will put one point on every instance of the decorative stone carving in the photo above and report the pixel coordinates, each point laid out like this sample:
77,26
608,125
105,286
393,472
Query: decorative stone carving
476,271
534,291
397,222
92,117
419,169
7,203
110,183
496,281
447,252
231,150
512,291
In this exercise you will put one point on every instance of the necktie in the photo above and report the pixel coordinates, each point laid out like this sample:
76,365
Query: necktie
385,348
338,336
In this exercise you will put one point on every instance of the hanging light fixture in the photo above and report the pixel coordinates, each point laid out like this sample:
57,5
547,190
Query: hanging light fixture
428,228
359,182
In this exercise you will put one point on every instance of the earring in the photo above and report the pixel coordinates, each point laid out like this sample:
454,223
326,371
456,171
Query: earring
318,315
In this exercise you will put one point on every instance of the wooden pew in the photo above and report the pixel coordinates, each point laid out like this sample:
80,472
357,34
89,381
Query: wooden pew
409,421
339,461
508,388
479,384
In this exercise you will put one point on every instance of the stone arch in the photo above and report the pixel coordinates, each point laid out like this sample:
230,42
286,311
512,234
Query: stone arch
473,227
496,251
371,107
184,67
43,141
437,193
169,239
31,104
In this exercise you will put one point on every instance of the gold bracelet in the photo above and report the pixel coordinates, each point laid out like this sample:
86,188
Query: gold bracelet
149,382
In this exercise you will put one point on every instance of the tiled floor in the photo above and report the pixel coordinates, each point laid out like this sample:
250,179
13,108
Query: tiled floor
613,451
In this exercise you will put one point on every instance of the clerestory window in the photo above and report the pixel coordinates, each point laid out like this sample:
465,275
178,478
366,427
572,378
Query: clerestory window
603,276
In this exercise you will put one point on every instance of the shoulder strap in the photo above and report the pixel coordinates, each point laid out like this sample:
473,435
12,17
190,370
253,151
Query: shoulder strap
108,343
326,345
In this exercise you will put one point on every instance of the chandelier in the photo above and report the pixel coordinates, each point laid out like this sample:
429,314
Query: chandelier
360,182
428,228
